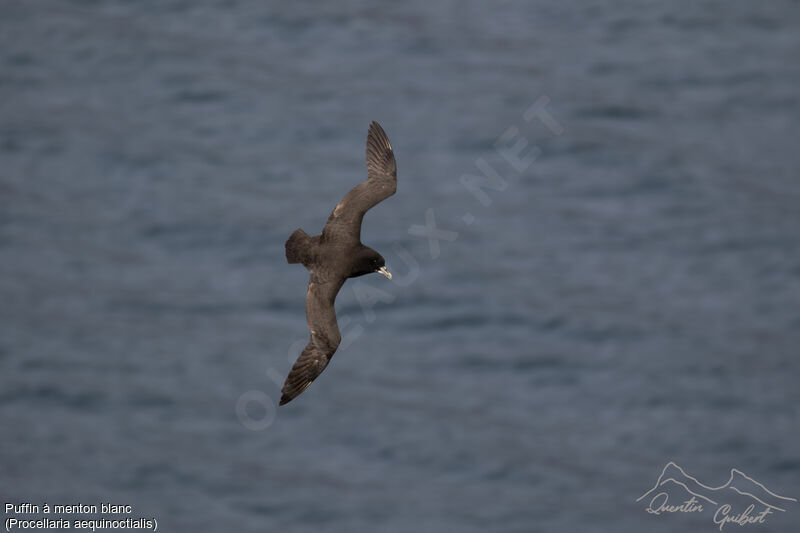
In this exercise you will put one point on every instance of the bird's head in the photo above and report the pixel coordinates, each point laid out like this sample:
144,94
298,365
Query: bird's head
369,261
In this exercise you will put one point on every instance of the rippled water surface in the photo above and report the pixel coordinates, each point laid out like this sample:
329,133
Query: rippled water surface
630,295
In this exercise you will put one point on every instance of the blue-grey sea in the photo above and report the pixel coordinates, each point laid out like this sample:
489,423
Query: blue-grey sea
621,291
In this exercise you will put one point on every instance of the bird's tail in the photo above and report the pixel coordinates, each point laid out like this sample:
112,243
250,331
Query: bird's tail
298,247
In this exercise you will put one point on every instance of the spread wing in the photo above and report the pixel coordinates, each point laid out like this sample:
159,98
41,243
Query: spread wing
325,338
345,221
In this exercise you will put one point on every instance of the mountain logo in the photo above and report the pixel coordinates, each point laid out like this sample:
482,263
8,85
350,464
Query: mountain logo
741,500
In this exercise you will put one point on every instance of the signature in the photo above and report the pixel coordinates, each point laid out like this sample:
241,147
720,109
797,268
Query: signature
741,500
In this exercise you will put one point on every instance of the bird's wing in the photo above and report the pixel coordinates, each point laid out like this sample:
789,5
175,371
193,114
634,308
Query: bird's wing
325,338
345,220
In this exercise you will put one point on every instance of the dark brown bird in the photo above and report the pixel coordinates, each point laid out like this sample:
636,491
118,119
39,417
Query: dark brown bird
335,255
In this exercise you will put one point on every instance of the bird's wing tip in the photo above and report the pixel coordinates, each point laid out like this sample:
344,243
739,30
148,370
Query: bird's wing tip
377,138
293,390
375,127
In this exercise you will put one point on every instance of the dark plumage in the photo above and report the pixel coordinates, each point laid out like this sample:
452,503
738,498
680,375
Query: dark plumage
335,255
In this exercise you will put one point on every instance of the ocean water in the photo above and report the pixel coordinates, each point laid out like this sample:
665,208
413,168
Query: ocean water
626,292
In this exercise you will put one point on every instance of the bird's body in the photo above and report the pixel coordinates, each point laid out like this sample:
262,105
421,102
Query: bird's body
335,255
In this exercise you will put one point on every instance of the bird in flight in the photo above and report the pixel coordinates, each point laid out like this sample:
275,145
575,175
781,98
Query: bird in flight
335,255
